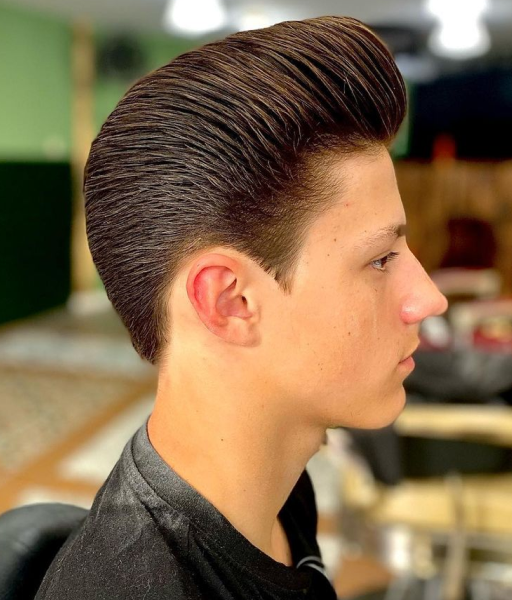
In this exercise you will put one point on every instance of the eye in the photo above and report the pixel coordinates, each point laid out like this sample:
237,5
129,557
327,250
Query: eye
380,263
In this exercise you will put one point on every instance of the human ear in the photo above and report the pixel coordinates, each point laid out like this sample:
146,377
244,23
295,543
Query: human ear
215,291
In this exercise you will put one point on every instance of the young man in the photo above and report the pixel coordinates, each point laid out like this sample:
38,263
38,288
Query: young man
243,213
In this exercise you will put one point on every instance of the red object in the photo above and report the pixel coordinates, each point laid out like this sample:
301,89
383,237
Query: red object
444,148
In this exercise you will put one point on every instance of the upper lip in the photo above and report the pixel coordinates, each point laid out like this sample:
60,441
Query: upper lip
410,353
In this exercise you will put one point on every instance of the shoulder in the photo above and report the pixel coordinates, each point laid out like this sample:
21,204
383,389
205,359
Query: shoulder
121,552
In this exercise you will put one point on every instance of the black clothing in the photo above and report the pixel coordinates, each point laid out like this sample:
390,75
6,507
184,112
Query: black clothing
151,535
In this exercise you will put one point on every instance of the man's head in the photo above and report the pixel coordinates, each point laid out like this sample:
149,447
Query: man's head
219,181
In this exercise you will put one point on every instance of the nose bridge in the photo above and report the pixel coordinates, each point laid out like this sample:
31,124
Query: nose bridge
425,299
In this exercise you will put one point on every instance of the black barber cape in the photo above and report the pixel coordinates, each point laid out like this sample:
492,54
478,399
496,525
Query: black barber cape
151,536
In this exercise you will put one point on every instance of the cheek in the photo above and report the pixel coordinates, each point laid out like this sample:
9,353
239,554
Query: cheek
364,321
350,340
344,341
368,337
341,363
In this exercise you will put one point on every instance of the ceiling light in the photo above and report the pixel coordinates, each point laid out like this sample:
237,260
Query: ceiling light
461,40
194,16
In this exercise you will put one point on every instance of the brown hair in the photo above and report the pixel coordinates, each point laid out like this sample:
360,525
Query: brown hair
226,145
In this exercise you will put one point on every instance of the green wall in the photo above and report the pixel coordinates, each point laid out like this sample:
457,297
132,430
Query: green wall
35,84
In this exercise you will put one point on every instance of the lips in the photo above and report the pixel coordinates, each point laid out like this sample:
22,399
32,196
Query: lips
410,353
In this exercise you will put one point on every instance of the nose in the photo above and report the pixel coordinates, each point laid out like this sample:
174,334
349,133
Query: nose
423,298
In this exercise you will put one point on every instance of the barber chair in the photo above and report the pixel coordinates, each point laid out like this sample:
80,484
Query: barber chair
443,535
30,538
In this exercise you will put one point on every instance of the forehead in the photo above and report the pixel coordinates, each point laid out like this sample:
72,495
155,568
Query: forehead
367,206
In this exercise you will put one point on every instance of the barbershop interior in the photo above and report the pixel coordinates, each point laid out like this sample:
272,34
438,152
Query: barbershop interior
419,509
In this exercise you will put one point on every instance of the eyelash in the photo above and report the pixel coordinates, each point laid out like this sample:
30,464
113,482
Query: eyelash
386,259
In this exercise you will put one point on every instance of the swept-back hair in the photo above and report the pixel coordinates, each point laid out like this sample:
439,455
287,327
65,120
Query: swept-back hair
228,145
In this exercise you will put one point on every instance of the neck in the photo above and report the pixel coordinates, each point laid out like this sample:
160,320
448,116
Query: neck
235,448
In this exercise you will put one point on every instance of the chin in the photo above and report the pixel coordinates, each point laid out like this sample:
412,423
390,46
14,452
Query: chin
393,407
381,412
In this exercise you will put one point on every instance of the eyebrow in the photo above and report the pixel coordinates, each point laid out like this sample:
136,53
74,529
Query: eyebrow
391,232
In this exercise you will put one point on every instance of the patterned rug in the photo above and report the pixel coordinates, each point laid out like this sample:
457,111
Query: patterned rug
57,372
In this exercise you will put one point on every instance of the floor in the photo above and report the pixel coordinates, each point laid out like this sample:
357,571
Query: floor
73,391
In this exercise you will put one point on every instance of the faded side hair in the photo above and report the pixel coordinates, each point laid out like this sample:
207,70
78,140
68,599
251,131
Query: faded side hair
226,145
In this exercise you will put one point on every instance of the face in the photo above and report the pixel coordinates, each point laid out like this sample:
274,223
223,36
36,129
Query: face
359,297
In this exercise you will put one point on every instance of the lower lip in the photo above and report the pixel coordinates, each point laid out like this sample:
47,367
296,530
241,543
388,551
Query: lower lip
408,363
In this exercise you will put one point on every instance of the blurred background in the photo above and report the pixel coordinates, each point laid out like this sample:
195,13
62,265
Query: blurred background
421,509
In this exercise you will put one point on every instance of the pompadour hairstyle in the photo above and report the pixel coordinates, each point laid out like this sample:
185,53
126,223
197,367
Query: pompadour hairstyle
228,145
